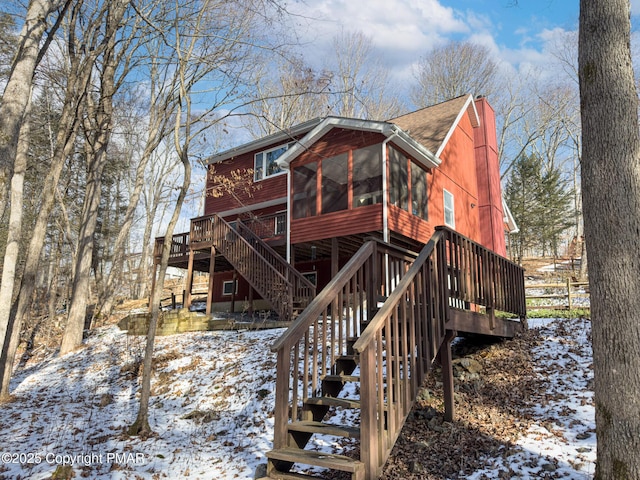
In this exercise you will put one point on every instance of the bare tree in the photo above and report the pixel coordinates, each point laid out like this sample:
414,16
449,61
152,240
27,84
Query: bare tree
454,69
98,124
362,85
16,98
79,71
610,183
212,42
292,94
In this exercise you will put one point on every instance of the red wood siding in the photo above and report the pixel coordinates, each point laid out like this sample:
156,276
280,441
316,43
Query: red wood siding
268,189
457,174
488,175
337,141
409,225
337,224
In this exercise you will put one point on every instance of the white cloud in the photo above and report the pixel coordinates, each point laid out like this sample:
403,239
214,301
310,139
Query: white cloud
400,30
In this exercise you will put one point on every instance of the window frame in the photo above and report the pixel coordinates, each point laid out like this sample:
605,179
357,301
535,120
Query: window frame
451,208
313,274
264,166
224,287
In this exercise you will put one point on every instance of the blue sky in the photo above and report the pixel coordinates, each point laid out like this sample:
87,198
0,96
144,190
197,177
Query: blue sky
516,31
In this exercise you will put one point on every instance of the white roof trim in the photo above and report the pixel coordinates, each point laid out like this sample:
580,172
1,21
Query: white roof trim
283,136
463,111
400,138
254,206
508,218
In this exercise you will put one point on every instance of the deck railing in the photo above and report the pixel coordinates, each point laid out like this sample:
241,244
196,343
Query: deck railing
268,226
480,277
179,246
329,325
397,345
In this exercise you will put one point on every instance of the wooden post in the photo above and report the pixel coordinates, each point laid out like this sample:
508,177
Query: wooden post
569,292
334,257
447,375
281,409
370,437
189,281
212,267
153,282
233,291
250,301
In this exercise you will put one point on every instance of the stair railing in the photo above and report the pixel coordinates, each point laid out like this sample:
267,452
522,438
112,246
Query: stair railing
396,351
402,340
307,351
302,290
265,270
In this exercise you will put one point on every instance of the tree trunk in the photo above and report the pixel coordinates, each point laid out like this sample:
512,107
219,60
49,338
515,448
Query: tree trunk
17,93
141,425
611,201
77,81
99,135
16,98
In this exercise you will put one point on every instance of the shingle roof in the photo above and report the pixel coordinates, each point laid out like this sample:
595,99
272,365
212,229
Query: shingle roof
430,126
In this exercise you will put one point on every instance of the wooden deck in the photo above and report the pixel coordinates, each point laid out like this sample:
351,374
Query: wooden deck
380,324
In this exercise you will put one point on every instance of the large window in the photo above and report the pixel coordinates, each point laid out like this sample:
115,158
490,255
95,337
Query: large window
367,176
304,190
335,183
418,191
265,163
449,213
398,181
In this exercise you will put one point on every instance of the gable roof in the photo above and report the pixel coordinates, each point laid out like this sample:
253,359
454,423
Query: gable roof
422,134
433,126
389,130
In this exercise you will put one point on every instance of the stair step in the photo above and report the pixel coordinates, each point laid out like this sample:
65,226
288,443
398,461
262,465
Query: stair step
317,459
341,378
278,475
322,428
333,402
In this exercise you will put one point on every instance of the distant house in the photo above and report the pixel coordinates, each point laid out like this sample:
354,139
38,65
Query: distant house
327,184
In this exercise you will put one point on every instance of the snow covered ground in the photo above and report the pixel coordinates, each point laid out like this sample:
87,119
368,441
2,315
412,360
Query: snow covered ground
211,410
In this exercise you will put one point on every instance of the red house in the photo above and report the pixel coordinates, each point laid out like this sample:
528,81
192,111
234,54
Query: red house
379,240
325,185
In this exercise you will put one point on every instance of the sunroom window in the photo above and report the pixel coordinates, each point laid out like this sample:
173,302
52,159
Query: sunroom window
305,190
367,176
398,181
418,191
335,183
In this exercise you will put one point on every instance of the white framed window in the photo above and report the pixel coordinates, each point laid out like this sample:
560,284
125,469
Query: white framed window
312,277
265,162
228,287
449,212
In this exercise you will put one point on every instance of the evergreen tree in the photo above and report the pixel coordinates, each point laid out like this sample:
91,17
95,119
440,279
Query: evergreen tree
540,204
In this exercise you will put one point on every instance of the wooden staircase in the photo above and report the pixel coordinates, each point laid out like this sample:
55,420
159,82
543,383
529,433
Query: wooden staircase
275,280
347,351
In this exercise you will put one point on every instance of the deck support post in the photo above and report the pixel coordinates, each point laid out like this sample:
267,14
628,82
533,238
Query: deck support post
334,257
153,283
189,282
212,267
447,375
233,291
